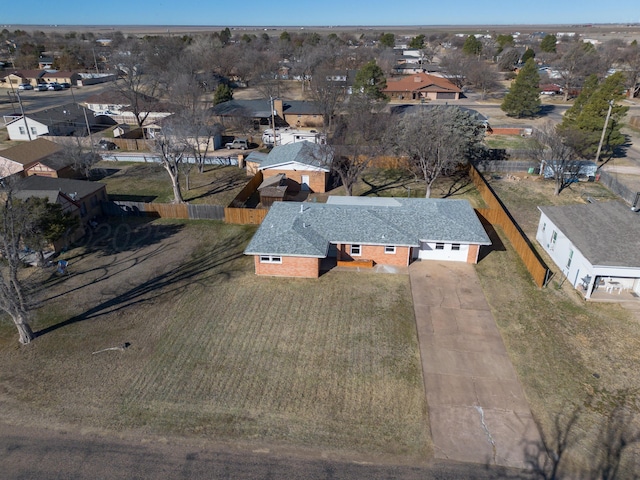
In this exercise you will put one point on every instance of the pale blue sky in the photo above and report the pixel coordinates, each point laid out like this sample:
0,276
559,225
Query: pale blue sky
317,13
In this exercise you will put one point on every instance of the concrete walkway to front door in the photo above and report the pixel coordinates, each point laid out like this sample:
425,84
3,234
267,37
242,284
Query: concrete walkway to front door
477,408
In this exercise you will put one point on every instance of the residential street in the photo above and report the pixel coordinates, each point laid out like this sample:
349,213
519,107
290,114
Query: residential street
45,454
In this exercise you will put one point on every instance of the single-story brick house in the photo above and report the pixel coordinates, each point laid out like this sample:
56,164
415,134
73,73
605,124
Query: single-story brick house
595,245
294,238
305,164
421,86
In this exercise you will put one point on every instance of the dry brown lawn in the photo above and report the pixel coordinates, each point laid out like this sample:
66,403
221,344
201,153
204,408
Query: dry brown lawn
567,352
217,185
215,352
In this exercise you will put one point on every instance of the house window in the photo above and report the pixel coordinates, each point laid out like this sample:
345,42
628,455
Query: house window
544,227
570,258
455,246
554,237
390,249
270,259
439,246
356,250
22,130
34,131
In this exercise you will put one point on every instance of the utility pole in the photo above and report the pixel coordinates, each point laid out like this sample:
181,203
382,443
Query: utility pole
26,125
604,131
273,122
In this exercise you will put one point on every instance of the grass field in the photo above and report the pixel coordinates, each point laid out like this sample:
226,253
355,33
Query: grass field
216,352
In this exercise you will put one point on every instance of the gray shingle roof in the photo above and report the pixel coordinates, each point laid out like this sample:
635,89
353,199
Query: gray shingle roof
306,229
304,152
67,186
606,233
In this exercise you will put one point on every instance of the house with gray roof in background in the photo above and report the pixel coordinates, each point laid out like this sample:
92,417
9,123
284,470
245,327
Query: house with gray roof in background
300,239
596,246
287,113
66,120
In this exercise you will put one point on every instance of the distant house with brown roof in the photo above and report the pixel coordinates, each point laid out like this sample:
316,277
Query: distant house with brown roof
421,86
26,155
61,77
13,78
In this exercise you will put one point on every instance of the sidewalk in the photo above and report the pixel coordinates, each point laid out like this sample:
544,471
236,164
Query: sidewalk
477,408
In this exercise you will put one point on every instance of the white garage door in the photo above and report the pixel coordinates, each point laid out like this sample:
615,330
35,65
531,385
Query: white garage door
453,252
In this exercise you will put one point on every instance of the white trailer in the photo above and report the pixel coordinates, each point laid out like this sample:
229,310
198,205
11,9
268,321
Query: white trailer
285,136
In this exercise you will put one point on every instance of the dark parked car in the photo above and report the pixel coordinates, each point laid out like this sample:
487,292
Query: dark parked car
54,86
41,87
107,145
65,85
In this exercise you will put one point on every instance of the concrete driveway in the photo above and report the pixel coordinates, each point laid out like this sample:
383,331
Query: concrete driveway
477,408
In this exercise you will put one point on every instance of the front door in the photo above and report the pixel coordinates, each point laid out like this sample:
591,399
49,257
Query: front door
305,183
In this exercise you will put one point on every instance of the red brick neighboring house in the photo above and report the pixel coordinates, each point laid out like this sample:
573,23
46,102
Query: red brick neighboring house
295,239
306,165
421,86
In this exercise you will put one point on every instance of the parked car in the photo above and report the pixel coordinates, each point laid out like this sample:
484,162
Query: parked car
25,86
107,145
238,143
65,85
54,86
41,87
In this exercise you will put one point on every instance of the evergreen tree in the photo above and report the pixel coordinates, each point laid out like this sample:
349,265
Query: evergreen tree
388,40
529,53
417,42
583,124
223,93
523,100
370,81
549,43
472,46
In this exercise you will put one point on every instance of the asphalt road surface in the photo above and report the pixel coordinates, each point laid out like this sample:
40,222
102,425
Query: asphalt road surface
43,454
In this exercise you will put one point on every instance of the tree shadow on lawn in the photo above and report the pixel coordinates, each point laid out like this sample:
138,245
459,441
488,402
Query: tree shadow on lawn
220,185
386,180
129,239
210,266
461,184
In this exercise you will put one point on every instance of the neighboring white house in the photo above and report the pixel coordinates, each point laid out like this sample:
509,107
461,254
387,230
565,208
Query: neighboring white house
595,245
66,120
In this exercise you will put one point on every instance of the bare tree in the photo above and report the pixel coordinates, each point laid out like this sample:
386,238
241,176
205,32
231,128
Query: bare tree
483,77
631,58
436,141
171,149
557,158
456,65
579,61
358,139
82,158
328,94
13,293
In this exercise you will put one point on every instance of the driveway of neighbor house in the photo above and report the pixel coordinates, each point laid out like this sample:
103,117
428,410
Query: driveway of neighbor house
477,408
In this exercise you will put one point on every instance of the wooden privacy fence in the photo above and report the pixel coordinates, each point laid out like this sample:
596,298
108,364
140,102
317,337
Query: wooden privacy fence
164,210
497,214
237,213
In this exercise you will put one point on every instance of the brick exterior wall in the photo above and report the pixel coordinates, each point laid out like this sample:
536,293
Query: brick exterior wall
317,180
290,267
376,253
472,256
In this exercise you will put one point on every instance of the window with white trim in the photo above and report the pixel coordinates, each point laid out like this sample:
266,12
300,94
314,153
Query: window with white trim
455,246
356,250
569,259
389,249
34,131
439,246
270,259
22,130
